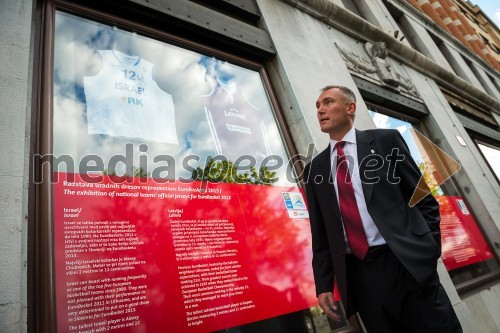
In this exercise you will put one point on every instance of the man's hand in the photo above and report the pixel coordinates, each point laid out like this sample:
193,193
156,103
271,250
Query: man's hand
326,302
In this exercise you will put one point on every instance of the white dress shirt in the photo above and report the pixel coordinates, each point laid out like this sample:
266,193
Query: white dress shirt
351,152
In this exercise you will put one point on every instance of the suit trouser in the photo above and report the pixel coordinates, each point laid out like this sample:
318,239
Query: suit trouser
389,299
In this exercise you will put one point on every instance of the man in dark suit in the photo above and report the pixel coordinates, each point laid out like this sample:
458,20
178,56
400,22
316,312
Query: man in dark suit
381,252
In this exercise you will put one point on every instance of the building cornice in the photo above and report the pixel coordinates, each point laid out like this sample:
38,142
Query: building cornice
353,25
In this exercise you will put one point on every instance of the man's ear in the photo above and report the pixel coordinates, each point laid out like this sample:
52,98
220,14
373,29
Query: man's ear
351,108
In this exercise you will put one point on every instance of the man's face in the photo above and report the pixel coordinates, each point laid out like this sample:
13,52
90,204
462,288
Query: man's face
334,114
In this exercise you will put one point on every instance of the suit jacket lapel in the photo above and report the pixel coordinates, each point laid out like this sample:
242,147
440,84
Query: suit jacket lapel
326,184
365,147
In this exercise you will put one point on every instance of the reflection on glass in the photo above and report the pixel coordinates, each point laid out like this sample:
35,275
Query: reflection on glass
419,154
237,126
124,100
177,108
492,155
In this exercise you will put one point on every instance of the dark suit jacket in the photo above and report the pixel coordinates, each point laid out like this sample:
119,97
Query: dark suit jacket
412,233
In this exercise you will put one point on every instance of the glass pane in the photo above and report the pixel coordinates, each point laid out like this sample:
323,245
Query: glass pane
114,87
174,205
418,153
492,156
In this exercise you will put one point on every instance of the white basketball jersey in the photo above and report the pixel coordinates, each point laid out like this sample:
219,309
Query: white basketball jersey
124,100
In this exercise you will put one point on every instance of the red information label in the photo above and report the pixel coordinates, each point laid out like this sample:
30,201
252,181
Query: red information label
140,256
462,241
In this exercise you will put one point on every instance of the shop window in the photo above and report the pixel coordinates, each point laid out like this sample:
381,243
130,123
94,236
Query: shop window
174,205
466,253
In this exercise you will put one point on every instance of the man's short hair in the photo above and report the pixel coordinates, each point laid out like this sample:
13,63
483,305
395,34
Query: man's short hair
346,92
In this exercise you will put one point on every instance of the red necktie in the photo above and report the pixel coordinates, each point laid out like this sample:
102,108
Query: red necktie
353,226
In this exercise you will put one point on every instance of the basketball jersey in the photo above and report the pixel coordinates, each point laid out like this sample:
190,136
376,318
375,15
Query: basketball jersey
124,100
237,126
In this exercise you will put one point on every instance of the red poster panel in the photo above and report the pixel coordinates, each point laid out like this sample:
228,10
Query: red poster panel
146,257
462,241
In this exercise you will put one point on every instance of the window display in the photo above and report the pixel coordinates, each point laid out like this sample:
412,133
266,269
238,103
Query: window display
179,210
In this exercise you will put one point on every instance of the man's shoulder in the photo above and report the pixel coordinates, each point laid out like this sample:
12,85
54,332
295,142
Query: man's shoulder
379,132
381,135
